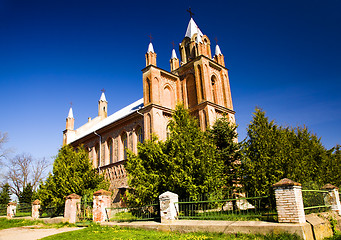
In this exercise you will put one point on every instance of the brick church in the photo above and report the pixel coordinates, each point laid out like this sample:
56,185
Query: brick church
197,80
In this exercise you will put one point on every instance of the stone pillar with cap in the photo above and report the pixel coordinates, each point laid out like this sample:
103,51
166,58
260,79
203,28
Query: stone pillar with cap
169,207
102,201
289,201
332,198
71,207
35,209
11,209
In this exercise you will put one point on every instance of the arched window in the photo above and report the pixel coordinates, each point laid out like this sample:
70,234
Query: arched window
139,134
201,83
148,90
124,139
110,150
167,97
191,91
149,126
214,89
97,155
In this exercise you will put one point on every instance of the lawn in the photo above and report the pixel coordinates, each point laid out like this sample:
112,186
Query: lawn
5,223
118,233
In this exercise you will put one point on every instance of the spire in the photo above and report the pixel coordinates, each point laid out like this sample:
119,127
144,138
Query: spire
173,54
70,115
192,29
103,97
217,50
150,48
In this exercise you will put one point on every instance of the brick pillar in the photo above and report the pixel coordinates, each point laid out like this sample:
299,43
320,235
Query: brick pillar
11,209
289,201
71,205
102,200
168,207
332,198
35,209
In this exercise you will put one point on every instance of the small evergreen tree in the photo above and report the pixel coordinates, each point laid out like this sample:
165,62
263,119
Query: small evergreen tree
72,173
224,135
26,194
5,196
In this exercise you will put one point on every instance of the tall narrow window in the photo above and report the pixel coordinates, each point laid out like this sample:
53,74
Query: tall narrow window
124,145
110,150
97,155
148,91
139,134
191,91
201,83
214,89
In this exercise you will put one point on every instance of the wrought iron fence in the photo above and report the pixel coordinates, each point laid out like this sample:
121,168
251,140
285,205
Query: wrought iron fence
84,210
139,213
51,211
3,209
23,210
236,207
313,201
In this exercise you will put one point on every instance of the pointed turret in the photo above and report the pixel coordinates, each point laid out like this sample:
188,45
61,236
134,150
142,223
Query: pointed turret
219,57
102,106
174,61
70,120
150,55
192,29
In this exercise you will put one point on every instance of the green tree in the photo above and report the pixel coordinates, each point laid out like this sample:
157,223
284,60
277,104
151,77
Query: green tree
224,135
272,152
185,163
5,194
72,173
27,194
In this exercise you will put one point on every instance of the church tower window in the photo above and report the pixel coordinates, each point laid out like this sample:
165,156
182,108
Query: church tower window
191,91
214,89
139,134
148,90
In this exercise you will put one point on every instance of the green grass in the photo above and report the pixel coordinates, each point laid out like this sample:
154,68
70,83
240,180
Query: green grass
11,223
118,233
5,223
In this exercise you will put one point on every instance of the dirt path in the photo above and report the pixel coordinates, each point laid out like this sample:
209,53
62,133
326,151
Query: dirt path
31,232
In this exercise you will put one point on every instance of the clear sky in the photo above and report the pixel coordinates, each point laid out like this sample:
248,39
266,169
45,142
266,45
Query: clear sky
283,56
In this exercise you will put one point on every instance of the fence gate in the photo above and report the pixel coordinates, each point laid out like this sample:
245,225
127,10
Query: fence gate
84,210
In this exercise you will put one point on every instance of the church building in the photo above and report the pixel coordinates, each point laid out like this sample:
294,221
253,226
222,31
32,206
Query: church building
197,80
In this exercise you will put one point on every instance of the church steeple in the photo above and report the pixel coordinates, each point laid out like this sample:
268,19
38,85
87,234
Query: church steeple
150,55
102,106
174,61
70,121
219,57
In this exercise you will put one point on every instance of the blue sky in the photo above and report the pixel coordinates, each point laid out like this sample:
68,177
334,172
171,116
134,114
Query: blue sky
283,56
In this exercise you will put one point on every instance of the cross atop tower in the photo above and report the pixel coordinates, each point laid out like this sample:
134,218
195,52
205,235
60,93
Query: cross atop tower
190,12
150,37
103,90
216,40
173,44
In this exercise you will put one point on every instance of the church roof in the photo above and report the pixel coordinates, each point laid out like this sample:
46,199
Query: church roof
150,48
103,97
173,54
192,29
70,115
110,119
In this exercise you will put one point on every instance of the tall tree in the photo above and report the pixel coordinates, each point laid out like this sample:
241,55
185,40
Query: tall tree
185,163
27,194
272,152
72,173
5,194
225,137
3,152
24,170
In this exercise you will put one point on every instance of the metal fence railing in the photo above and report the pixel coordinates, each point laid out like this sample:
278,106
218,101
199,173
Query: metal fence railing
313,201
236,208
23,210
139,213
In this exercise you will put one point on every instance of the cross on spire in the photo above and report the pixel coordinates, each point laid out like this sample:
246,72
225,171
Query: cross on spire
190,12
103,90
216,40
173,44
150,37
70,104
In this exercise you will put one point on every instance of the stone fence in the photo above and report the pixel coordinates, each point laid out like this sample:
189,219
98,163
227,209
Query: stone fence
288,194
